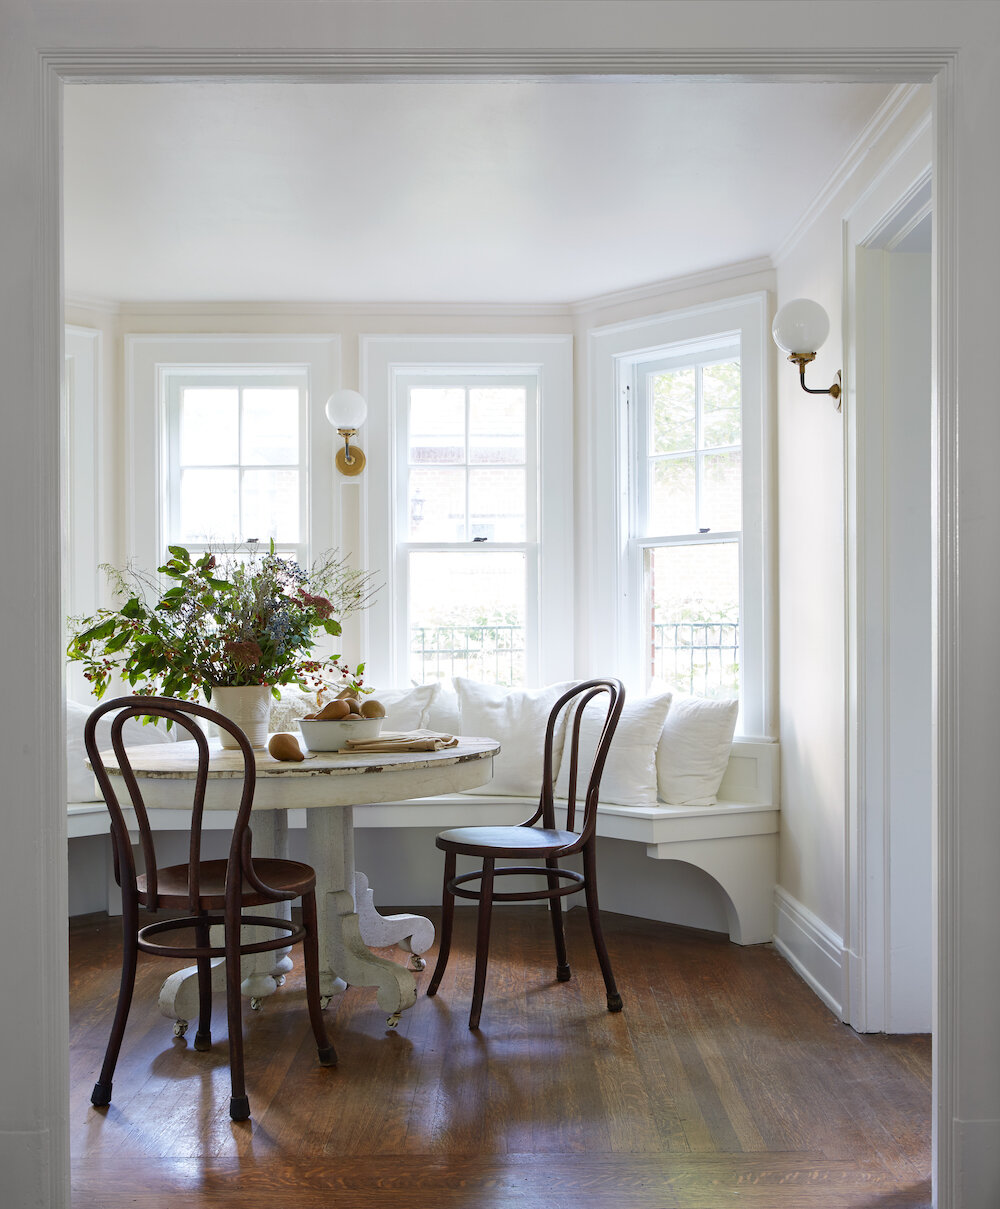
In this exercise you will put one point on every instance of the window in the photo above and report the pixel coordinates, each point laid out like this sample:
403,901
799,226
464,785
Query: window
468,508
678,507
225,433
236,458
686,424
467,550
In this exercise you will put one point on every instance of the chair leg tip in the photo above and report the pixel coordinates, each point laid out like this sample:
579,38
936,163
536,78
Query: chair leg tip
100,1097
327,1056
202,1041
615,1002
563,973
239,1108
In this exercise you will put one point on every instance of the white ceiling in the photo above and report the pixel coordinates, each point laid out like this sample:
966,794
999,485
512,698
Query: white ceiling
437,191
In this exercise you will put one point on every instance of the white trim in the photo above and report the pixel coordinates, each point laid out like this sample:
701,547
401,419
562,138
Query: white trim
812,949
895,192
382,358
614,620
146,358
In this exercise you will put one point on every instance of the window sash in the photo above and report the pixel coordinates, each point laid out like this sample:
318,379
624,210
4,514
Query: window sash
177,379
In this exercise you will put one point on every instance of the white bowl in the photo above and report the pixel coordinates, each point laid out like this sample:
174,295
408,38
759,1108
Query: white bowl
333,735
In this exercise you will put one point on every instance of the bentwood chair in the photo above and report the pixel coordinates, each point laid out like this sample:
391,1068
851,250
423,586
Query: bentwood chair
538,838
212,892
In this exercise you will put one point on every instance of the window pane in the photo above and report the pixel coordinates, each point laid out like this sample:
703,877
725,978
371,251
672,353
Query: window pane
271,505
209,426
692,601
721,404
721,487
209,506
496,424
467,615
437,424
496,505
271,425
436,504
672,410
672,496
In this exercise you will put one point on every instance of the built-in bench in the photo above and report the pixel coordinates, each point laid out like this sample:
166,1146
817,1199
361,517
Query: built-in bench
734,841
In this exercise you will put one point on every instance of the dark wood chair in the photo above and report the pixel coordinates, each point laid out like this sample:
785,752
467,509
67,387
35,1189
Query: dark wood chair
537,838
212,892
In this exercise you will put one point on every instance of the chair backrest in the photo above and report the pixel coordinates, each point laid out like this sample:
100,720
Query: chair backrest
567,722
181,713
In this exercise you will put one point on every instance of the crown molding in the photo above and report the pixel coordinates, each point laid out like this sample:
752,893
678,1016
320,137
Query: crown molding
674,285
880,122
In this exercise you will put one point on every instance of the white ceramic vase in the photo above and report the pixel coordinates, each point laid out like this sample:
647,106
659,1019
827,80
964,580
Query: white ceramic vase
249,706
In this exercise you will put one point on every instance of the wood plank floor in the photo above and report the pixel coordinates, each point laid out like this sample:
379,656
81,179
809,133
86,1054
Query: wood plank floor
725,1082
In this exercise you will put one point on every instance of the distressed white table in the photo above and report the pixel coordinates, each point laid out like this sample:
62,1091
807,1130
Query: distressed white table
330,786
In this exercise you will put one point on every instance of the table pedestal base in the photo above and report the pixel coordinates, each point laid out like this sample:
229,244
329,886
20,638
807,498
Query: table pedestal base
347,922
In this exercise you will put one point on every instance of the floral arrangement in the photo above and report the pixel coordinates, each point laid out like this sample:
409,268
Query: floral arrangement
235,616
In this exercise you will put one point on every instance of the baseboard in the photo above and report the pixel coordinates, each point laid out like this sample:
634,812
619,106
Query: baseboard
811,948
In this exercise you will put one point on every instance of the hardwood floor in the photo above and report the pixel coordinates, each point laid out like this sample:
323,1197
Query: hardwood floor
725,1082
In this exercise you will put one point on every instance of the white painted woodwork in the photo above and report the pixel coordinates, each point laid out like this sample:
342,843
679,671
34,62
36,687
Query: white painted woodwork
954,45
889,511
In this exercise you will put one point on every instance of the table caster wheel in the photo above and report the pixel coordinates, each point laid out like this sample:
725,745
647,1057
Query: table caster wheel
324,1001
279,980
393,1021
417,962
180,1028
256,1004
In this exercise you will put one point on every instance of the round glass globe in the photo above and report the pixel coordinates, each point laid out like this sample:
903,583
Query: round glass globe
800,326
346,409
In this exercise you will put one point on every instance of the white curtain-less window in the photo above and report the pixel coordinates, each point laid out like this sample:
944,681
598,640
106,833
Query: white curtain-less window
237,467
467,554
687,592
468,507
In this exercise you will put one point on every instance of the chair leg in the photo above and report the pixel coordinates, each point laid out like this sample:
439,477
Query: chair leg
447,920
101,1095
310,958
594,915
555,911
482,939
203,1037
239,1104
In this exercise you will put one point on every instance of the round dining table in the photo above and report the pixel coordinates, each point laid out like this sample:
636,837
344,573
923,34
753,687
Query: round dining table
330,787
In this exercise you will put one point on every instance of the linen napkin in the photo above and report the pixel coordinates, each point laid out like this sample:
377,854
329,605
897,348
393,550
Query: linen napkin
408,740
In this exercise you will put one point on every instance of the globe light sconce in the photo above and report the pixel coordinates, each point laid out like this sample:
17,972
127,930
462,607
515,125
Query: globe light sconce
346,411
799,329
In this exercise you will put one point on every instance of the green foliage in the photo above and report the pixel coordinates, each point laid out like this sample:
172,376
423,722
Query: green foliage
232,617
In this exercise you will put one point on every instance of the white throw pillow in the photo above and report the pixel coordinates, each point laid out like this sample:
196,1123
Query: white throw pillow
80,783
405,708
516,718
629,777
445,713
694,750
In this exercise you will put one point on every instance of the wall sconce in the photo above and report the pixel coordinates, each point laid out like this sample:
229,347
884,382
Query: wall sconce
799,329
346,411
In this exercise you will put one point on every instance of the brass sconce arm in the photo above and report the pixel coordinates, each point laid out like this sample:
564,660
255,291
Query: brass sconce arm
802,360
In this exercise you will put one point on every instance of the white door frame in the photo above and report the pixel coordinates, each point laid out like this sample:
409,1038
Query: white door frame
888,202
90,62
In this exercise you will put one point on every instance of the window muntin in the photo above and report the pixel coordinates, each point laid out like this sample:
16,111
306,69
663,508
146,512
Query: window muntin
468,558
236,464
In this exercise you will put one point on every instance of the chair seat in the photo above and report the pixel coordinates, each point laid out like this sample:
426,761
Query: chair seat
287,877
523,842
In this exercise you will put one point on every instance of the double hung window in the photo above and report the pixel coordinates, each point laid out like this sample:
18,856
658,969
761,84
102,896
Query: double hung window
466,558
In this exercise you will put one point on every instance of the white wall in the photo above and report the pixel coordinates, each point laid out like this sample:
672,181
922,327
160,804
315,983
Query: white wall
958,40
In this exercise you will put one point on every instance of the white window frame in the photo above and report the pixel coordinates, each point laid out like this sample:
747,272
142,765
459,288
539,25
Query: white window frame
616,351
151,361
177,378
387,363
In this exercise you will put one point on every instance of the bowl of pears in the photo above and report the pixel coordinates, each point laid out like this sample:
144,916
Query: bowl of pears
345,717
